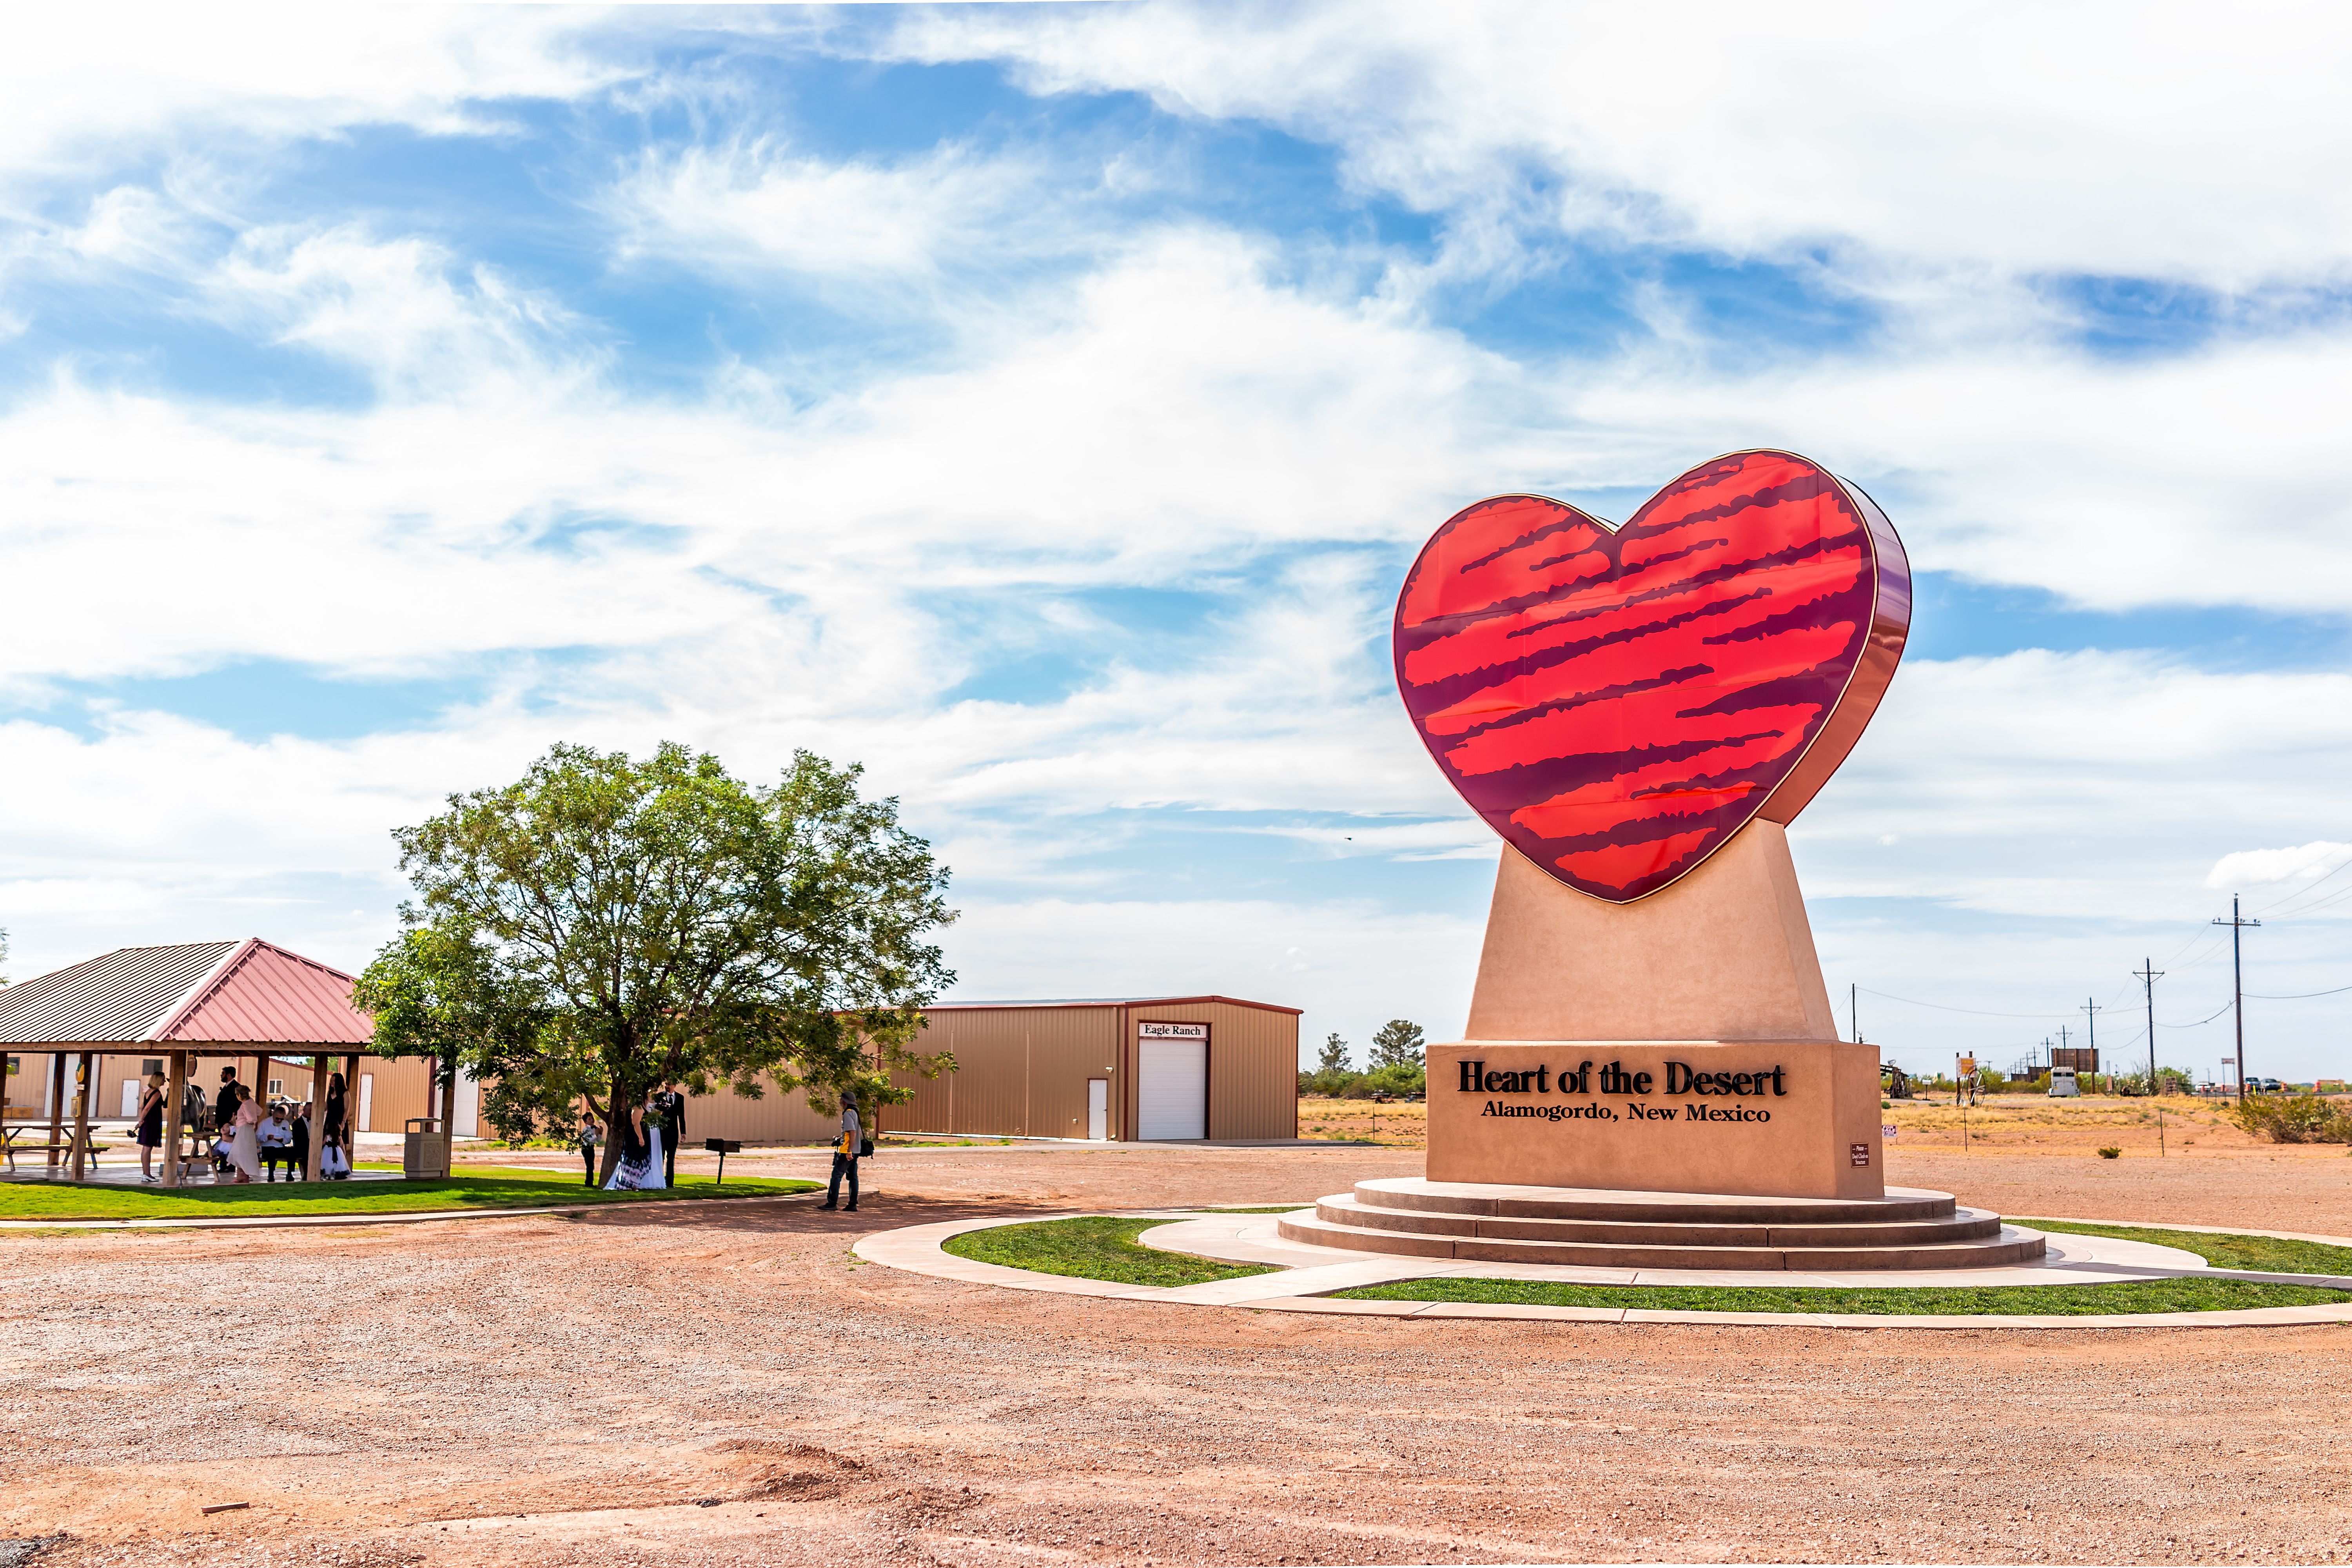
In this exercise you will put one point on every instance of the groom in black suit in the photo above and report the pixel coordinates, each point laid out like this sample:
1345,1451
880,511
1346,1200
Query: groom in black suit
670,1106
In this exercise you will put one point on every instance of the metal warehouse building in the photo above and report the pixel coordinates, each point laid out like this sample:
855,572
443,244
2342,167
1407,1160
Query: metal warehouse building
1119,1069
1127,1069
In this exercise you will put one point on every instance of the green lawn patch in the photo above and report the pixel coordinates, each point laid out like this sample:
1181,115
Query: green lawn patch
2261,1254
474,1187
2190,1295
1103,1247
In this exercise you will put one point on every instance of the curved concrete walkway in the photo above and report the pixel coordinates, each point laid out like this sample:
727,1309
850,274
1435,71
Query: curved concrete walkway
403,1216
1306,1275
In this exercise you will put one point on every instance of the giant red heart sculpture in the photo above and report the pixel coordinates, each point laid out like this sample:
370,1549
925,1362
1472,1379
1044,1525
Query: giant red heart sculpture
1617,703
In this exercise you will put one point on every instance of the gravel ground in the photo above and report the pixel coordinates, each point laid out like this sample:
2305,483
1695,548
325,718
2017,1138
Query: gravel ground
527,1390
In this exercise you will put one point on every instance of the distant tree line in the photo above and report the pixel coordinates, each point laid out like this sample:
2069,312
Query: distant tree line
1396,1066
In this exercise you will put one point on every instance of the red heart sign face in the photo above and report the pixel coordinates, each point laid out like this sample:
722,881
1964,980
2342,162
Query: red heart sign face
1617,703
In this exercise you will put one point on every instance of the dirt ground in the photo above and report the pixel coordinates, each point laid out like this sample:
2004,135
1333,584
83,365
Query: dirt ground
719,1385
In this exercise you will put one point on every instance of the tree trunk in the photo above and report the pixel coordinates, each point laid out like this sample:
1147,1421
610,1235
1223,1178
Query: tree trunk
613,1115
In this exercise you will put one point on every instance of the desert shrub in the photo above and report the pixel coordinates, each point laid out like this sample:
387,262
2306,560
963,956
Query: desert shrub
2111,1152
2295,1117
1332,1083
1345,1085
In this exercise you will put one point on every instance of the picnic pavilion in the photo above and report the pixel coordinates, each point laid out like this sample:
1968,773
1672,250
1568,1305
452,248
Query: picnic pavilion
234,999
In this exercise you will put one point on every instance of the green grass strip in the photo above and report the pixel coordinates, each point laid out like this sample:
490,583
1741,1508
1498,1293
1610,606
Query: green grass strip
475,1187
2192,1295
2261,1254
1095,1249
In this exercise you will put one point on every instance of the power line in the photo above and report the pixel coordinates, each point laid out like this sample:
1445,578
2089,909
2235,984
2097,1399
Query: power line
2298,892
2299,995
1945,1008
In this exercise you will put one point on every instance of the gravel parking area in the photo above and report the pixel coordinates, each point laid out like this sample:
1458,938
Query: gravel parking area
687,1388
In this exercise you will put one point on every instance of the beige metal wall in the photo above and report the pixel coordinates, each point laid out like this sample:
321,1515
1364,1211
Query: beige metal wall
773,1117
1023,1070
1253,1064
1019,1070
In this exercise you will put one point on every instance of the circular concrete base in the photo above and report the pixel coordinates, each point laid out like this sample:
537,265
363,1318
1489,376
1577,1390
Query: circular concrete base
1305,1274
1909,1229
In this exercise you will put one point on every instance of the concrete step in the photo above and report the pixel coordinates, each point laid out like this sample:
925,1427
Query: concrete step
1688,1208
1364,1231
1966,1225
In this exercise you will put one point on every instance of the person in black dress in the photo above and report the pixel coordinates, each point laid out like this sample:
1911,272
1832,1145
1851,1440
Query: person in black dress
151,1125
637,1152
332,1120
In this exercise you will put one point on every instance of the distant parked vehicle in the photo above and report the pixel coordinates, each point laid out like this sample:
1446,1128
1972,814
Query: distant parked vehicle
2264,1085
2062,1083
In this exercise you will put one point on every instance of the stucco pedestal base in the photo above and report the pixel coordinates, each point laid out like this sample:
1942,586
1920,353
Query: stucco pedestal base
1758,1118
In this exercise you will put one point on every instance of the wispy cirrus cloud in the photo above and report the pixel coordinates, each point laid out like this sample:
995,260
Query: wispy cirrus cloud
2122,140
371,432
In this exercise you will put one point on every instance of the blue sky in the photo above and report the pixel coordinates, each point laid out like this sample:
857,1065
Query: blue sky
1041,406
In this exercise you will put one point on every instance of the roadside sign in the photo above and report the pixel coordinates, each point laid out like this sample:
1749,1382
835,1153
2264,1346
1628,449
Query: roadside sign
1886,1130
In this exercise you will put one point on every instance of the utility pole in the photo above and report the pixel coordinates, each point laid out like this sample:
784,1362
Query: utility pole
2091,1006
2238,987
2150,974
1853,1010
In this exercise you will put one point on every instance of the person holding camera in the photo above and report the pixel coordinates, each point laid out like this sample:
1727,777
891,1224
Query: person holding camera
845,1156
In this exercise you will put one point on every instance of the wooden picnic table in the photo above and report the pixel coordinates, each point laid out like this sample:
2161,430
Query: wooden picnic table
13,1141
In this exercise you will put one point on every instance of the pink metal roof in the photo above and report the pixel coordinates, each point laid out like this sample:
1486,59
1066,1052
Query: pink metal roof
250,992
266,996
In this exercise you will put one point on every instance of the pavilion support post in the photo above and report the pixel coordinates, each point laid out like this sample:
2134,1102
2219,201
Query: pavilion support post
82,1086
175,1099
351,1105
317,1111
57,1104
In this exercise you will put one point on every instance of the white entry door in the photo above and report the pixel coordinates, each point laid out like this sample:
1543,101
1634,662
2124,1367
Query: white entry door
1098,1108
367,1102
1171,1088
131,1100
464,1106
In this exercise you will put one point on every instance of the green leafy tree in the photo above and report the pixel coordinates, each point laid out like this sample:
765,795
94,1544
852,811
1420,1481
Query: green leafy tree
604,926
1334,1059
1399,1044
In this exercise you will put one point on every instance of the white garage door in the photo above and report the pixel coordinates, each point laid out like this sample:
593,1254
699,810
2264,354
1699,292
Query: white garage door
1173,1089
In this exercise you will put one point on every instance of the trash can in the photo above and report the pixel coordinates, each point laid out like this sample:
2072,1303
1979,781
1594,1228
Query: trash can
425,1151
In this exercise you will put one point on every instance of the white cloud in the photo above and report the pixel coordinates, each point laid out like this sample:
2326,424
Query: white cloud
2246,868
2160,142
755,205
420,323
80,87
1319,957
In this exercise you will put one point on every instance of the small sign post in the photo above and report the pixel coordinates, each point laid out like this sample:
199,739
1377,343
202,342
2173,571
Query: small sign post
722,1147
